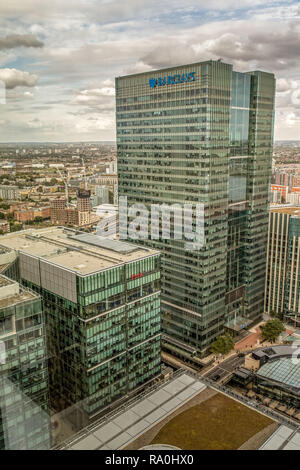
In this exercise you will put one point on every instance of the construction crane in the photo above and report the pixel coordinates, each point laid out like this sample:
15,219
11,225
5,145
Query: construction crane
66,182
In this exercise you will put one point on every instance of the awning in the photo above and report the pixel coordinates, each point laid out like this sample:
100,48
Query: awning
238,323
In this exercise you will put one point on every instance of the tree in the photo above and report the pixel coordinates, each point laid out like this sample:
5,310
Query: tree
276,314
2,215
272,329
222,345
15,227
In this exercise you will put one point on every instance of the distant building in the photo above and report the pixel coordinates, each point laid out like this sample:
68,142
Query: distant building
279,193
9,192
4,226
285,178
295,189
293,198
63,215
84,207
83,200
57,208
116,194
26,215
276,197
38,165
79,216
282,178
101,195
112,168
56,165
107,180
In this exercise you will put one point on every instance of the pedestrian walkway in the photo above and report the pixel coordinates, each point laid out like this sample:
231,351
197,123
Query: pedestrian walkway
254,339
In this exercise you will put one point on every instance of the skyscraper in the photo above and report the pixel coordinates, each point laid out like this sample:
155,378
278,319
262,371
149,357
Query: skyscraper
202,133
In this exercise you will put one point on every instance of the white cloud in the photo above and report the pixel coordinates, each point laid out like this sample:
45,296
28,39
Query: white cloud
19,95
101,98
86,41
14,78
116,10
28,95
291,119
95,124
285,84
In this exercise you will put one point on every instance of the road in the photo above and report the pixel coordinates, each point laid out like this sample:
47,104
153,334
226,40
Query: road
224,369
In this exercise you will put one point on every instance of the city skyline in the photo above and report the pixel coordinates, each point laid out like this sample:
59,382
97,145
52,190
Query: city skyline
59,61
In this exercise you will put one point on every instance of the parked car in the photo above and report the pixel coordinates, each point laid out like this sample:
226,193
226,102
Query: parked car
216,377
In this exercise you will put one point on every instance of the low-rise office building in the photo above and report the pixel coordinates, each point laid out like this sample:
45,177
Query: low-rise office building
101,299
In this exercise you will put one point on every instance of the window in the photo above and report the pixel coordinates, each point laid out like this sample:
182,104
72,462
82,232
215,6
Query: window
6,326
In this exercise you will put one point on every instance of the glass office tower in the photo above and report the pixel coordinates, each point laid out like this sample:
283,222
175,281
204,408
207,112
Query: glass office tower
101,301
202,133
24,408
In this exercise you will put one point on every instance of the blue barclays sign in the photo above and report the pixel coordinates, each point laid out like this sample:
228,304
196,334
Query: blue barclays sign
172,79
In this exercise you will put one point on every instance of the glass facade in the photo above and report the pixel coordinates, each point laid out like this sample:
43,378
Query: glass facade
24,400
292,297
107,344
279,380
207,140
283,274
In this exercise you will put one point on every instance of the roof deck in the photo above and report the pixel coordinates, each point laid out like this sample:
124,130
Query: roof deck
11,293
74,250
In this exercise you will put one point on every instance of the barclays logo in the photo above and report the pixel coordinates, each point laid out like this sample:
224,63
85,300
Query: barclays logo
172,79
152,82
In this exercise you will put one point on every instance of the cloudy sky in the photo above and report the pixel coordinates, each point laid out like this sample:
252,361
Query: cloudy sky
58,58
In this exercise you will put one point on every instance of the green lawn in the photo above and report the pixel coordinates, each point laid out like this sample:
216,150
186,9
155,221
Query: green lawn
217,423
